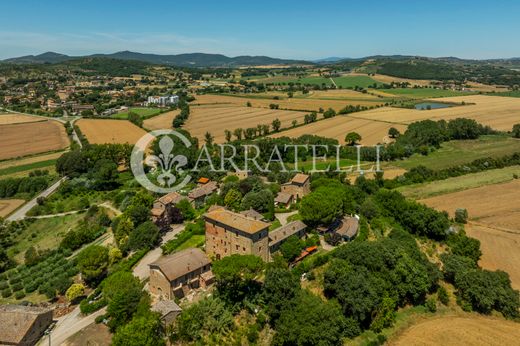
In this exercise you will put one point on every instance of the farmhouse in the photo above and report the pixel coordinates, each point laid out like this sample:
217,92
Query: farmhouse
23,325
229,233
299,186
280,235
174,275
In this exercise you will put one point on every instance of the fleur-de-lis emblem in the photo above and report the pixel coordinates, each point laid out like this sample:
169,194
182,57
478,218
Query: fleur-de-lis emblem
167,160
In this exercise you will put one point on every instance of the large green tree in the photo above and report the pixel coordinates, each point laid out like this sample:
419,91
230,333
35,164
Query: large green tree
93,262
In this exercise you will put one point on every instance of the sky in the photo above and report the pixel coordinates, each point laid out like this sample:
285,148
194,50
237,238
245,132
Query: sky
284,29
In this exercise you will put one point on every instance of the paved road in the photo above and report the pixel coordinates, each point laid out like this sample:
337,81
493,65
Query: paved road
141,270
22,212
73,322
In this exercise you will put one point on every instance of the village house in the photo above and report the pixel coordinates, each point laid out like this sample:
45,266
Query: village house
162,214
198,195
299,186
278,236
23,325
283,200
173,276
348,227
168,309
229,233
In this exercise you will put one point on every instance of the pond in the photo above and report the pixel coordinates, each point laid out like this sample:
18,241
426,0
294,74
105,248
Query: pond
432,105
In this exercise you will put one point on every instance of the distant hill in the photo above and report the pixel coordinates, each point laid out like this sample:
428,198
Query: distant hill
184,60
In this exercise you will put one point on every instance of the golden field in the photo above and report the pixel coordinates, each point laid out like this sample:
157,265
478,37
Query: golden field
104,131
28,138
215,120
494,216
161,121
7,206
501,113
12,118
295,103
372,132
459,331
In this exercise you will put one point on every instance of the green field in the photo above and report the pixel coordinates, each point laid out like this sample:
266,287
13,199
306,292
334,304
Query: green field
353,81
28,167
455,153
468,181
513,93
43,234
424,92
144,113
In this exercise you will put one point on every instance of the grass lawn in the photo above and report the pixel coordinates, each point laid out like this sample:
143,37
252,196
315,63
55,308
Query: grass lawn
455,153
468,181
144,113
352,81
43,234
424,92
194,241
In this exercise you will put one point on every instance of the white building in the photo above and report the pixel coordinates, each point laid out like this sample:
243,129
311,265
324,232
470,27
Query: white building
162,101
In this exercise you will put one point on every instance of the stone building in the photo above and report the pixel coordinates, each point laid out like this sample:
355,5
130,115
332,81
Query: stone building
229,233
299,186
23,325
174,275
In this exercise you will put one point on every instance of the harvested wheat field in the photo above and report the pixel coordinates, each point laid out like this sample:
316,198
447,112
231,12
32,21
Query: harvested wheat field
13,118
388,173
456,331
161,121
217,119
300,104
104,131
36,137
501,113
500,250
372,132
492,205
7,206
339,94
495,220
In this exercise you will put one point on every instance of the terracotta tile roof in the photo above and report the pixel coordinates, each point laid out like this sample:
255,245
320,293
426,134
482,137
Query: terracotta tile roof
16,321
285,232
157,211
253,214
300,178
283,197
181,263
164,307
202,191
172,197
203,180
348,227
237,221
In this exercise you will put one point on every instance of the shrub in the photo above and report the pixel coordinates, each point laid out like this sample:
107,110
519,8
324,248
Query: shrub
443,296
461,215
6,292
19,295
431,304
